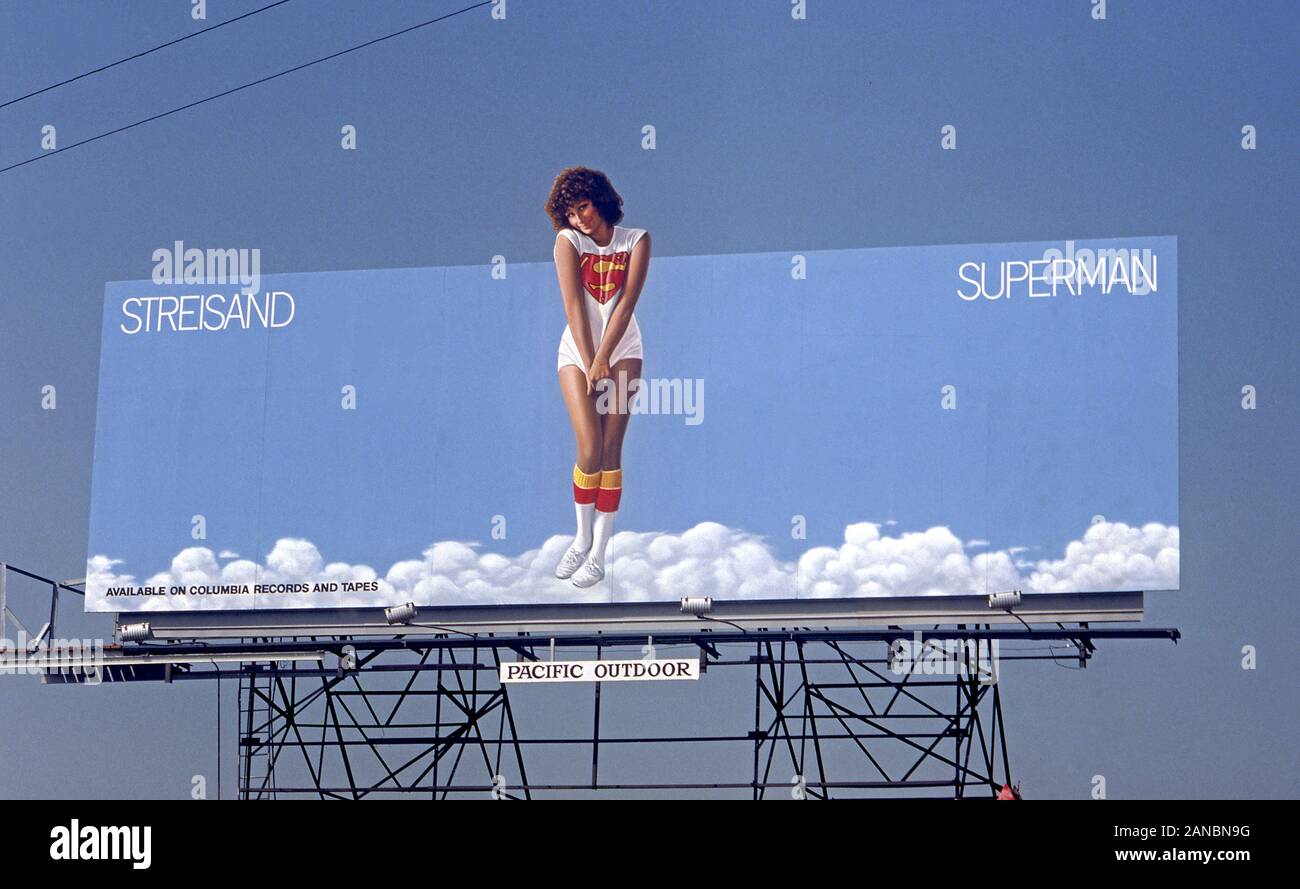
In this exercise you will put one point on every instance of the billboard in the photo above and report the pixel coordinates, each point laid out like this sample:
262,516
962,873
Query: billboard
825,424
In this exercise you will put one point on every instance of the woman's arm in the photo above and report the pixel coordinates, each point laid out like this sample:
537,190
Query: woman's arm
638,267
570,277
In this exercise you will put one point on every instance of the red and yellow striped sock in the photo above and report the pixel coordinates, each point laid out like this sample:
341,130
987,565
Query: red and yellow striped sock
585,485
610,491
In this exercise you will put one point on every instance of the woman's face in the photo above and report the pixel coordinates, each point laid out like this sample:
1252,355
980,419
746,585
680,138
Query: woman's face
584,216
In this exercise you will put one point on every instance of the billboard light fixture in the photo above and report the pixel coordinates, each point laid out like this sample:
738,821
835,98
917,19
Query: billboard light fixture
1005,601
136,632
400,614
697,605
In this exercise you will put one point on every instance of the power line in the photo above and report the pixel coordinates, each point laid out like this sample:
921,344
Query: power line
145,53
243,87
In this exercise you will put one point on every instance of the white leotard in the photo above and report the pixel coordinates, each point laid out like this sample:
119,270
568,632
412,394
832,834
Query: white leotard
604,272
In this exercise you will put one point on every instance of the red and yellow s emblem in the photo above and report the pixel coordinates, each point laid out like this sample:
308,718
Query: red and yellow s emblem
603,276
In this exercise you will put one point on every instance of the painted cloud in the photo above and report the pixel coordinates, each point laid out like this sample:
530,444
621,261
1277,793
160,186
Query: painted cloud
707,560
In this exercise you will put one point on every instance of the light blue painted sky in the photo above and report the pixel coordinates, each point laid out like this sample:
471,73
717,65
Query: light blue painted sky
822,397
773,136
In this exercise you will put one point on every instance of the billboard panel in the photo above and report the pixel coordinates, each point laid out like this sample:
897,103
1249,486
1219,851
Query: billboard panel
944,420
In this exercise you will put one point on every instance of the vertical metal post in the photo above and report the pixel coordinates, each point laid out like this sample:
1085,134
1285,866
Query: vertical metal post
595,732
437,725
758,727
959,774
509,716
218,669
54,608
810,712
1002,731
247,781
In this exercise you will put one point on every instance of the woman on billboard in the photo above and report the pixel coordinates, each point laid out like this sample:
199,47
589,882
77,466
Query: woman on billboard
601,267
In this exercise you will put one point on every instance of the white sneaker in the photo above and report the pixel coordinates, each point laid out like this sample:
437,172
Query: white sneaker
589,574
570,561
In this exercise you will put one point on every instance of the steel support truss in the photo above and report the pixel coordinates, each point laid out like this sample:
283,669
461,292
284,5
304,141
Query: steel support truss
429,720
836,714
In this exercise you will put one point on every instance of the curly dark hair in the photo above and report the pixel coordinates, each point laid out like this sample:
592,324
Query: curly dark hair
575,184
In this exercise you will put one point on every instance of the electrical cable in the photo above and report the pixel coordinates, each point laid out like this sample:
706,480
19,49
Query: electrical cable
245,86
145,53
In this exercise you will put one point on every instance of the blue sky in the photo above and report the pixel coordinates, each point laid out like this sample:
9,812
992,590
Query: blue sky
773,136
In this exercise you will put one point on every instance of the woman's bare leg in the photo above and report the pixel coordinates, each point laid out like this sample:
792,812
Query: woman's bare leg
588,437
614,424
613,429
582,414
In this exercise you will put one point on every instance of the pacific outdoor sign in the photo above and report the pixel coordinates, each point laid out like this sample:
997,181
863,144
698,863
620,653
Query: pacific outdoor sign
824,424
648,669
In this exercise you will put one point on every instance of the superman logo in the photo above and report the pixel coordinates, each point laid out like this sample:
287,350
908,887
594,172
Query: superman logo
603,276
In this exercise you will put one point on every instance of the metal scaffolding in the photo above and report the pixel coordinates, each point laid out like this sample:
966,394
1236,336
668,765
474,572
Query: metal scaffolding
837,712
